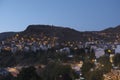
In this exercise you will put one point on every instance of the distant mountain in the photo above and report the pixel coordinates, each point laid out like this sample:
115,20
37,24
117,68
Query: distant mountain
112,30
5,35
63,33
68,34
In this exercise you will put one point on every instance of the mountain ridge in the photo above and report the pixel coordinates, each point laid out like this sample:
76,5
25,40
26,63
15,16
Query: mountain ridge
52,31
67,34
112,29
5,35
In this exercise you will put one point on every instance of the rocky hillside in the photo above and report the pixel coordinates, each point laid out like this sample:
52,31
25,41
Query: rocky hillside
63,33
67,34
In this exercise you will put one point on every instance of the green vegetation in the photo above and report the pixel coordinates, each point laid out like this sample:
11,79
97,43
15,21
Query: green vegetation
28,74
95,72
105,64
53,71
116,60
55,68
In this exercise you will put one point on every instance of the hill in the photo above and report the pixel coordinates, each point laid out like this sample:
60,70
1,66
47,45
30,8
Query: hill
40,34
63,33
112,29
67,34
5,35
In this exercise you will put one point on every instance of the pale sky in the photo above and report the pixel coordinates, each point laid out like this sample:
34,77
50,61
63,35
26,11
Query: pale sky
82,15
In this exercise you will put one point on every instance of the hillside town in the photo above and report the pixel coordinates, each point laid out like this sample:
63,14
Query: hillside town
59,39
93,50
33,44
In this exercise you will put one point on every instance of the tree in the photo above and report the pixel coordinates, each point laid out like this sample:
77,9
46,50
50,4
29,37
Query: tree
55,71
28,74
87,65
116,59
95,75
105,64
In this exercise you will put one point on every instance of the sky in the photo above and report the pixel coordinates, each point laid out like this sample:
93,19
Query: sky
82,15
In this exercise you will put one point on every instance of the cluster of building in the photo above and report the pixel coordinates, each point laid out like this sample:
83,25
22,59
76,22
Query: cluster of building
19,43
33,43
